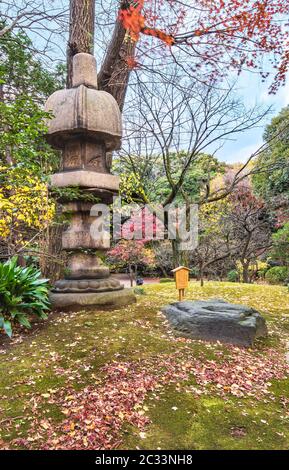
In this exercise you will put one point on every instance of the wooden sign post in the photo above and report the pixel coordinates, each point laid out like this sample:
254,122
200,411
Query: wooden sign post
182,280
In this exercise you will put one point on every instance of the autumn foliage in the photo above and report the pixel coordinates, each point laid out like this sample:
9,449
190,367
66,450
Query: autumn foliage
132,252
134,21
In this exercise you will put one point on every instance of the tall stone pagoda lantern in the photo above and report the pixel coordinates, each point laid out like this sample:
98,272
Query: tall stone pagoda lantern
86,127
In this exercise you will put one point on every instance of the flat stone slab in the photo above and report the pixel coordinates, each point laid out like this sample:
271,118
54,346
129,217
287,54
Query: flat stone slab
216,320
75,302
85,179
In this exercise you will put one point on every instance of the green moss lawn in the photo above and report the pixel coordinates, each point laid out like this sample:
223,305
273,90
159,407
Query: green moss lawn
121,379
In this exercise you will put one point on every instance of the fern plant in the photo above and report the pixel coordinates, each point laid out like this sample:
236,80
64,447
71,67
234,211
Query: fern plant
22,292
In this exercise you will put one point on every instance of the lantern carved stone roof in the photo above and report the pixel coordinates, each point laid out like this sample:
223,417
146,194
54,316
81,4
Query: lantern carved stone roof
83,110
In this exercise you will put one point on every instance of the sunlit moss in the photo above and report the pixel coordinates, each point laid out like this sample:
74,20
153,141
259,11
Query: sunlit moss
70,350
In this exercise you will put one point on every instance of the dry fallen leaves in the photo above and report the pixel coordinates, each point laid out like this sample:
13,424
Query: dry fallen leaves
95,415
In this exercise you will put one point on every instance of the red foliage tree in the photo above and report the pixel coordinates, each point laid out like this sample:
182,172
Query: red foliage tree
142,225
219,34
132,253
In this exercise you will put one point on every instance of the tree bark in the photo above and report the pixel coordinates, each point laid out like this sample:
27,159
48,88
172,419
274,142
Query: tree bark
164,271
115,70
81,31
202,275
118,82
246,276
130,274
180,258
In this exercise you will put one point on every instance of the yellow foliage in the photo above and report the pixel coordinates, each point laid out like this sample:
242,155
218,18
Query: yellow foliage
254,266
131,185
24,204
210,215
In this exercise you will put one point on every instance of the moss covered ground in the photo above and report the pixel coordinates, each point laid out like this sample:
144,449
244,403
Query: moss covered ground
121,379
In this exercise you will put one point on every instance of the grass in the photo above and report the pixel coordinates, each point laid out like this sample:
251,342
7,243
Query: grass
69,351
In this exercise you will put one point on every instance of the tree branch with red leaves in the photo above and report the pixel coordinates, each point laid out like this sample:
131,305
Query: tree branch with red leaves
216,33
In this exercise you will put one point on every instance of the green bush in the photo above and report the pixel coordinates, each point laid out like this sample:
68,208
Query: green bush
233,276
166,279
22,292
277,274
194,272
139,291
261,273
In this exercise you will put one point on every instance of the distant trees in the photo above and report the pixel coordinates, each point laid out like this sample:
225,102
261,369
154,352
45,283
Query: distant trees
250,227
131,254
235,231
170,126
272,182
275,181
164,259
215,242
280,245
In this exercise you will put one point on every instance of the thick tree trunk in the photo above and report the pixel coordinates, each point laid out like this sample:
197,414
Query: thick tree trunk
81,31
246,275
1,93
52,259
115,70
7,152
202,275
131,276
180,258
164,271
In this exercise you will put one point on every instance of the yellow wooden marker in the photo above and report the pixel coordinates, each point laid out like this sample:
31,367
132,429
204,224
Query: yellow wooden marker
182,280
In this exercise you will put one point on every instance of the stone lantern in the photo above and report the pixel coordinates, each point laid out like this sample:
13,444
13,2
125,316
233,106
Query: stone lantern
86,127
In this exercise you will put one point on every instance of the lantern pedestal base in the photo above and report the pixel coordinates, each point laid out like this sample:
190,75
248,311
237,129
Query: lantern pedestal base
92,301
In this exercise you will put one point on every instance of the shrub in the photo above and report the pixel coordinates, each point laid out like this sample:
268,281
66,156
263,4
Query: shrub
277,275
262,269
194,272
166,279
139,291
22,292
233,276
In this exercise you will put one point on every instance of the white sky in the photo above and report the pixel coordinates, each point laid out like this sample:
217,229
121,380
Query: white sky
253,92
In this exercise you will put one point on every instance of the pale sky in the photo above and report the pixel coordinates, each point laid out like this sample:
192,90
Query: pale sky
253,91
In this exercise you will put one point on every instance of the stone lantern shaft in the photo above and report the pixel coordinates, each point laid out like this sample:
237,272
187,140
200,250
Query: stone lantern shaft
86,127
